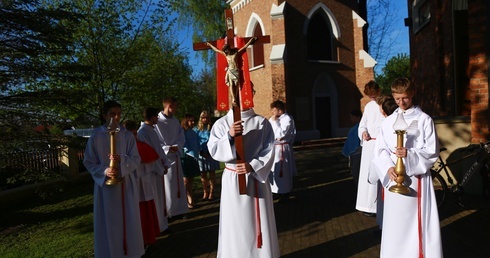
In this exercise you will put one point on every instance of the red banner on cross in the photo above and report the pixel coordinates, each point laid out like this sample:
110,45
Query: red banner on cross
246,95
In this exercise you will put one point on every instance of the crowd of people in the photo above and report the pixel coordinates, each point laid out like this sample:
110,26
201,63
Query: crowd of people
156,160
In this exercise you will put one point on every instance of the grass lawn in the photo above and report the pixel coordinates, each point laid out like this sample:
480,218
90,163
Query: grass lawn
61,226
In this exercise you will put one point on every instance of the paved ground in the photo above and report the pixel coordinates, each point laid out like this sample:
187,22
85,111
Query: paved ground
320,219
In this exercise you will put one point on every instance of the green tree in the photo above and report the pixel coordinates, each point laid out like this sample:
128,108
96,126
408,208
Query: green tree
128,53
205,85
397,66
36,46
133,58
29,34
206,21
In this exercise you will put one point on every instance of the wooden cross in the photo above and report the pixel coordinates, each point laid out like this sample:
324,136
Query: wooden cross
230,35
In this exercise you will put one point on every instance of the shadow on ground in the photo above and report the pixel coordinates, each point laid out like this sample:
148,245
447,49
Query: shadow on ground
320,220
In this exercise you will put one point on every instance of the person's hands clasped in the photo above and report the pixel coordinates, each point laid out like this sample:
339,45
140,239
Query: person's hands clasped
243,168
236,129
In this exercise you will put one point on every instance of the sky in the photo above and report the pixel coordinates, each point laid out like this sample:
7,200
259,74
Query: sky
402,39
400,35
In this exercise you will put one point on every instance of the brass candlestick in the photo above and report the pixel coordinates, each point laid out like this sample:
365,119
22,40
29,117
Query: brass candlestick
400,129
399,168
113,130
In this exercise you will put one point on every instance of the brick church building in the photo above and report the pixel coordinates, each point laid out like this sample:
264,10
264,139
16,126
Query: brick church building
315,61
450,57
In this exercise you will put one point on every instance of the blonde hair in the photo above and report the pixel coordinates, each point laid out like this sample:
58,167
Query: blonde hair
402,85
200,125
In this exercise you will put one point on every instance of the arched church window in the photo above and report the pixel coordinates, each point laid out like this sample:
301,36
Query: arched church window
320,40
256,52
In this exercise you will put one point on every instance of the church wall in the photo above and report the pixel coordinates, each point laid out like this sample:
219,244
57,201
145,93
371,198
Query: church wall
293,80
432,61
429,56
478,69
260,77
364,73
301,73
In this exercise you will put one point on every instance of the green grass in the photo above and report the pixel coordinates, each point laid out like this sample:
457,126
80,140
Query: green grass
61,226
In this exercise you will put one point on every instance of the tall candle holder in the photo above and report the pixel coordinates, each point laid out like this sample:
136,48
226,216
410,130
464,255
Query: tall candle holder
400,127
113,129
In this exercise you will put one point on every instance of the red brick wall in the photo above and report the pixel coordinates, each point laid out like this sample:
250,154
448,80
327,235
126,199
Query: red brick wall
296,76
427,57
432,60
261,77
478,71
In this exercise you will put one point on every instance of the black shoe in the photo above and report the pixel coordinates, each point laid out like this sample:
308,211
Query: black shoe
369,214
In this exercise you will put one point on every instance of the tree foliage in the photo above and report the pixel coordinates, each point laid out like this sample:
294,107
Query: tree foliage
207,21
36,46
127,44
87,53
30,34
397,66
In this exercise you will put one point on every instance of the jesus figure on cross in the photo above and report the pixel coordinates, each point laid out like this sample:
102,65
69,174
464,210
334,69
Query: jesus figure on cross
232,78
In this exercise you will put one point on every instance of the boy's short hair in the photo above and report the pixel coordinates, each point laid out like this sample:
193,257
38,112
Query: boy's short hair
150,112
279,105
130,125
402,85
169,100
387,103
356,113
371,88
106,107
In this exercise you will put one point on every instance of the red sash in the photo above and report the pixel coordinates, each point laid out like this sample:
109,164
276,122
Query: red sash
419,215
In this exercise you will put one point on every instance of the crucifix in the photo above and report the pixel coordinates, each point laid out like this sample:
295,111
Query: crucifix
233,79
